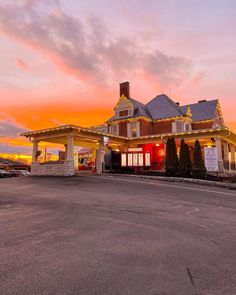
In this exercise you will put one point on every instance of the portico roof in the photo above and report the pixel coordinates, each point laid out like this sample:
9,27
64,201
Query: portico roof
82,136
86,135
67,128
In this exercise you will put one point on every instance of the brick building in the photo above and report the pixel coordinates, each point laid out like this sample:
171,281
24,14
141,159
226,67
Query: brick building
135,136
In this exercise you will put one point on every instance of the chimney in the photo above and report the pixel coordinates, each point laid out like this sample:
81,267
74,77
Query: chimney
177,104
203,100
124,89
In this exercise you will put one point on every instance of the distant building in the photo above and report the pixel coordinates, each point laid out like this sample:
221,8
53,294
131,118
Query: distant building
7,164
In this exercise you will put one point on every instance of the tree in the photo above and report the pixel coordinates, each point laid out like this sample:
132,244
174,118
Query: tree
185,164
199,169
171,159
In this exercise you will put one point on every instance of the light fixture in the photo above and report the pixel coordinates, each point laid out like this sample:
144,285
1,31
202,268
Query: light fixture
157,144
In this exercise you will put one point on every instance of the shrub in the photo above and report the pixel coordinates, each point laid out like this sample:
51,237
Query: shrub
185,164
199,169
171,159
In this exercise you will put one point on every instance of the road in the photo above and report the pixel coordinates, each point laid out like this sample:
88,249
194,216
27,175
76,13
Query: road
104,235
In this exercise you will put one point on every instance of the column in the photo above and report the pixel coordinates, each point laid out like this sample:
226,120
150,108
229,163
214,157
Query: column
65,146
70,148
69,168
35,150
226,155
232,151
99,158
218,145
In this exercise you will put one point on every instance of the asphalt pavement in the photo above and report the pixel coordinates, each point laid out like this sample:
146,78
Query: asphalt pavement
105,235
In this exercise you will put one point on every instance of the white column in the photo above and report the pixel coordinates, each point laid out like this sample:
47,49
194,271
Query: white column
99,158
65,145
35,150
70,148
218,145
226,155
232,151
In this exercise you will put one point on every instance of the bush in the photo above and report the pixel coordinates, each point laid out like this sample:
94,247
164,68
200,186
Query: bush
171,159
199,169
185,164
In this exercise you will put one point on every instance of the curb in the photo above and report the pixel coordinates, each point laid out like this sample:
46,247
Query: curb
180,179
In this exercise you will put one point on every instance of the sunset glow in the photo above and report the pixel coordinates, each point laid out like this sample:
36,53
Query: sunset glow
61,63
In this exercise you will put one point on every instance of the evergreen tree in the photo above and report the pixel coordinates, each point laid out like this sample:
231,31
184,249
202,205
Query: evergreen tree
171,159
185,164
199,169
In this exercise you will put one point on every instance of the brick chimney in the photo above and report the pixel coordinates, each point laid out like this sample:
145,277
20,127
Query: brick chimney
124,89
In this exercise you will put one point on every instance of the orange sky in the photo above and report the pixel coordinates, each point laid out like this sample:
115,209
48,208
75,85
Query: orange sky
65,61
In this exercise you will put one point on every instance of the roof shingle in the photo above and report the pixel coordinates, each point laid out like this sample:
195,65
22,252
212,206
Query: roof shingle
161,107
204,110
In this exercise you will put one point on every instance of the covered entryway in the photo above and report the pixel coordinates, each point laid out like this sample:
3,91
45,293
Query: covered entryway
70,136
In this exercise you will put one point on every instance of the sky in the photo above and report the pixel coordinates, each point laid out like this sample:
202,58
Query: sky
62,60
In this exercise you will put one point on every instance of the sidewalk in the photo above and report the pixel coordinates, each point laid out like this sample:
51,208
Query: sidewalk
181,179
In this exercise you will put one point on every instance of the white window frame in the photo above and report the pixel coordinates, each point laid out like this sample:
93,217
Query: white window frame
176,126
129,129
189,126
111,129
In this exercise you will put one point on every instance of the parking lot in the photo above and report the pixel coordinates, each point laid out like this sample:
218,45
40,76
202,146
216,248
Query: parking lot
114,235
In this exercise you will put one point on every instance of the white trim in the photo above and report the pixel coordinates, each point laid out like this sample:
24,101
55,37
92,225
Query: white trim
128,130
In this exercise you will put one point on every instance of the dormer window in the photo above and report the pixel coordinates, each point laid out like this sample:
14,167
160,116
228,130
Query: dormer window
123,113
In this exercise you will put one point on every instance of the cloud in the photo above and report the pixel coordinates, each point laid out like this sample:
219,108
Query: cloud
10,149
9,129
86,49
22,64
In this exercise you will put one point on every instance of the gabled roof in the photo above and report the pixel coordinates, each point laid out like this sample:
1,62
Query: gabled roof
203,110
161,107
140,110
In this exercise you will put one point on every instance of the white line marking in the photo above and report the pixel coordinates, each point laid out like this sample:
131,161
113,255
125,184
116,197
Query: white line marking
170,185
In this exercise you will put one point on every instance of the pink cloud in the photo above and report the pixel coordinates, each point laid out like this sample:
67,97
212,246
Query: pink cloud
22,64
87,50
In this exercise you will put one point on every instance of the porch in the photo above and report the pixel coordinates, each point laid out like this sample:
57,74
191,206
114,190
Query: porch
69,136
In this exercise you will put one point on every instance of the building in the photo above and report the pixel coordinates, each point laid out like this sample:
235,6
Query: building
8,164
134,138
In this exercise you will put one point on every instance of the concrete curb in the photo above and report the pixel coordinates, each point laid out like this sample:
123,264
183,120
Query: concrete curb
185,180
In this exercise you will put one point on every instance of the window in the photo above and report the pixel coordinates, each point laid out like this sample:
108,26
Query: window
123,113
178,126
133,127
187,126
123,160
114,129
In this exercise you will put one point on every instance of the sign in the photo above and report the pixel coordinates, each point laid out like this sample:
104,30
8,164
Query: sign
161,153
211,159
105,140
137,149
